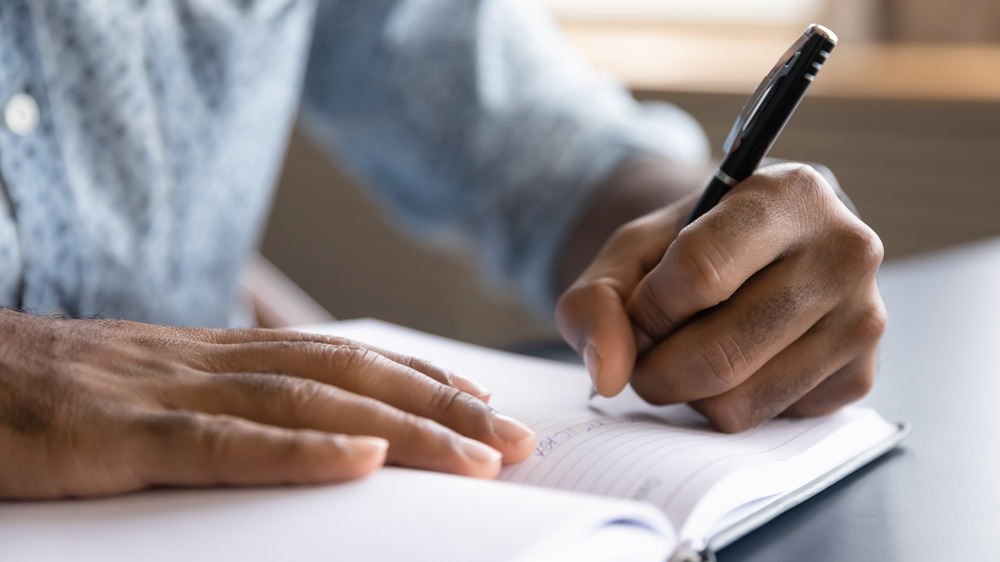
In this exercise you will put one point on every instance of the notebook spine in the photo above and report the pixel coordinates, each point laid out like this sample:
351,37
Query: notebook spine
687,553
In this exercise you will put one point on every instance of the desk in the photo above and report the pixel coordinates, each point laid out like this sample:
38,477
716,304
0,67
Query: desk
938,496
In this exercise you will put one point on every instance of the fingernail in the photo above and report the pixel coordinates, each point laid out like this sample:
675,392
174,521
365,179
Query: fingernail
363,445
480,453
592,359
510,430
470,387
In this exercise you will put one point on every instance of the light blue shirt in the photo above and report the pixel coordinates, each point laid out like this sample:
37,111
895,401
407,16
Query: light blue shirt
162,126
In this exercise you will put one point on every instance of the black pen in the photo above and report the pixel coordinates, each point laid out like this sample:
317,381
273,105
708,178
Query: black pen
765,114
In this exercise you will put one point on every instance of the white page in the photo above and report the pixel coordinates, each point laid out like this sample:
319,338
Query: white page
609,450
395,514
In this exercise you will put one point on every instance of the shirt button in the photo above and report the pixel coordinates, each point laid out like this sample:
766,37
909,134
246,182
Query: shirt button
20,114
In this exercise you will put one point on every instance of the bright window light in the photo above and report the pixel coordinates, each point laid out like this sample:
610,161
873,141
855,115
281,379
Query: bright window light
767,12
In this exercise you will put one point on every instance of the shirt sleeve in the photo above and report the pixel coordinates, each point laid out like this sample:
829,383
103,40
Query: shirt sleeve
476,121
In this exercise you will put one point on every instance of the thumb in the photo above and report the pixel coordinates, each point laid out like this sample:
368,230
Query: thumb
592,319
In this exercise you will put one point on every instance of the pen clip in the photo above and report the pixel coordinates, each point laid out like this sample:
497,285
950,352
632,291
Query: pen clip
763,92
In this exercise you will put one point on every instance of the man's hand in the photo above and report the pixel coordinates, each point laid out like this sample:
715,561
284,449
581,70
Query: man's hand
94,407
765,305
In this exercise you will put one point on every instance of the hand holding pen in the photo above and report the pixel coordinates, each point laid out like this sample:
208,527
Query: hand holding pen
759,300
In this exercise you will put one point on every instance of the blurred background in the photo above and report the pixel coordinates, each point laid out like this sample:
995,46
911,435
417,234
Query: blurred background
907,113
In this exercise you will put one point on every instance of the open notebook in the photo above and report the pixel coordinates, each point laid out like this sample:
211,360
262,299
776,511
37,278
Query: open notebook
609,480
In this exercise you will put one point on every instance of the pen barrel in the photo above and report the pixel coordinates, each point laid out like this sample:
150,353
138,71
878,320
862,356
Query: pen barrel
766,124
766,114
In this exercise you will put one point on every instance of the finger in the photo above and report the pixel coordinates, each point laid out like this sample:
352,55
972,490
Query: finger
414,441
591,314
854,380
850,383
755,224
230,354
593,320
830,366
195,449
362,370
721,349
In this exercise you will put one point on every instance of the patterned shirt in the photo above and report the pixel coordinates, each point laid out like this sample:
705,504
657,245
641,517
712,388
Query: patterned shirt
141,139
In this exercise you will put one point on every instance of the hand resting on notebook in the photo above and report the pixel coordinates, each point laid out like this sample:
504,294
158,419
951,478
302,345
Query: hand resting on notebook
97,407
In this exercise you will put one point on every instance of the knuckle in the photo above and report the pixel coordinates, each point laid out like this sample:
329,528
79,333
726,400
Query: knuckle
862,246
651,317
421,365
350,358
641,239
859,384
806,177
212,335
577,299
873,321
804,182
570,303
168,427
301,395
448,400
723,359
331,340
216,437
702,267
293,448
854,254
433,371
261,385
631,233
806,189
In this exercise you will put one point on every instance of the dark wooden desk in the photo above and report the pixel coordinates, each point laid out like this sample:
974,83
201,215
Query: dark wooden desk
938,496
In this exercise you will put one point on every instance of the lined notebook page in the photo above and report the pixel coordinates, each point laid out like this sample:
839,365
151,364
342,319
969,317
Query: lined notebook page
692,473
667,456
